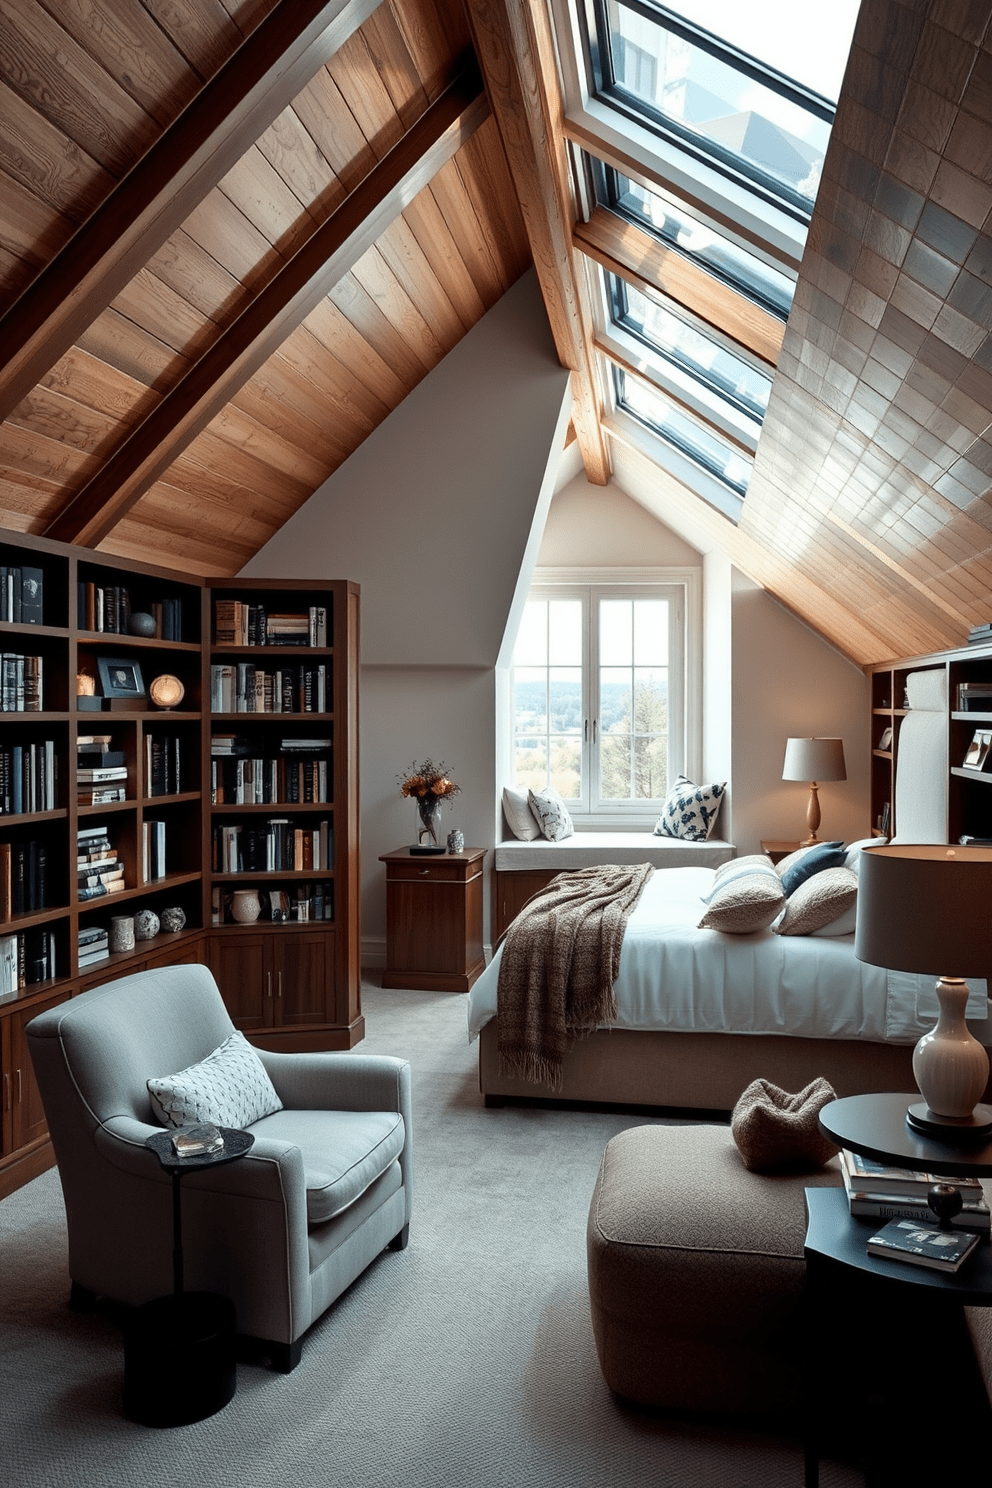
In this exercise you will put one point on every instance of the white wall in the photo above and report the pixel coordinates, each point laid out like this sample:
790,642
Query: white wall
438,516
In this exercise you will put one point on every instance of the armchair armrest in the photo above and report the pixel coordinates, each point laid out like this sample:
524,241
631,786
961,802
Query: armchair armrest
340,1082
272,1170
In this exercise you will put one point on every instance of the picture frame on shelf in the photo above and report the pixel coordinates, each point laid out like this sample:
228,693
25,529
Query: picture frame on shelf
978,750
885,742
120,677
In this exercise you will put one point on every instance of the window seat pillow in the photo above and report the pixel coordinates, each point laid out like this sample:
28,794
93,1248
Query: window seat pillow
589,849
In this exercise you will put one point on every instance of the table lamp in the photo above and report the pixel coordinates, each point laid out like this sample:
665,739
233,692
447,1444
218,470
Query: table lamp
813,760
925,909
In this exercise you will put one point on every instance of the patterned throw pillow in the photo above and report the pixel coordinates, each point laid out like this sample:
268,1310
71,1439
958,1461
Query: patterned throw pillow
550,813
819,901
231,1087
519,817
690,811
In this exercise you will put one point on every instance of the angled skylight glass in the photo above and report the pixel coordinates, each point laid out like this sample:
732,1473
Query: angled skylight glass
675,225
729,466
701,372
710,77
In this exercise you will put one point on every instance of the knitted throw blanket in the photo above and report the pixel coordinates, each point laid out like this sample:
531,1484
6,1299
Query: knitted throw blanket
560,959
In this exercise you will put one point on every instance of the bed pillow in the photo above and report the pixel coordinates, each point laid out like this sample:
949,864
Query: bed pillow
519,817
753,860
550,813
852,857
690,811
231,1087
819,901
800,866
744,903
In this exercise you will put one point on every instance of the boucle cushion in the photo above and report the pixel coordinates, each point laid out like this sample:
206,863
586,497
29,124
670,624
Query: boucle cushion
519,817
819,901
231,1087
690,811
751,860
810,860
743,903
775,1130
550,813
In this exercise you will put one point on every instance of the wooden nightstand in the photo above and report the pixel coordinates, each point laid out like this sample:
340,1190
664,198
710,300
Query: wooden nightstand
778,850
433,920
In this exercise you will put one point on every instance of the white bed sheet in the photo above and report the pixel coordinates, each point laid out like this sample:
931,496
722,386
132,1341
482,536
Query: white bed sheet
673,975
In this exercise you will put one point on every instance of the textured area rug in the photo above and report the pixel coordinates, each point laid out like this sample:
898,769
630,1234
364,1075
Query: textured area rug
466,1359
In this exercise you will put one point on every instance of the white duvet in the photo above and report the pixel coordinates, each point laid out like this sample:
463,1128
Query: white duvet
673,975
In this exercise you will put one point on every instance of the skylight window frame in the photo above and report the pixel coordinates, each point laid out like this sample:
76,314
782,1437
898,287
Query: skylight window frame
605,86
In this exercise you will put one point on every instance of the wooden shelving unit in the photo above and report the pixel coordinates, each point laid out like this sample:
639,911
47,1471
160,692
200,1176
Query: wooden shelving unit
289,984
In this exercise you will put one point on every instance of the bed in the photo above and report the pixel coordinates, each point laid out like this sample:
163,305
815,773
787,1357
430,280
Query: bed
700,1013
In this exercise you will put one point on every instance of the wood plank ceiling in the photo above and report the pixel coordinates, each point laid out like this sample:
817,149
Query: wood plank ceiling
234,234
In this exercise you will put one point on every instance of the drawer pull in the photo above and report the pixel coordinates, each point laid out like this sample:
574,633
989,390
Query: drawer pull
424,872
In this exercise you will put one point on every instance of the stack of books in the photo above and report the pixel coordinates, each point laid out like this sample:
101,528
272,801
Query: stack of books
101,772
875,1191
99,870
980,634
93,944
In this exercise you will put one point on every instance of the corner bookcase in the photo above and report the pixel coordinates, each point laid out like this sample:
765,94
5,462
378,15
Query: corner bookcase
76,693
968,788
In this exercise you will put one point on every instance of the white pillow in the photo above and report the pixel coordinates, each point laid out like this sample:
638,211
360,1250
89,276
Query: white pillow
845,923
852,857
550,813
519,817
690,811
231,1087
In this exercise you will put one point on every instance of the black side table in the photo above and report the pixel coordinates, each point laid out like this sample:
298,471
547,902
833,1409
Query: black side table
179,1350
889,1320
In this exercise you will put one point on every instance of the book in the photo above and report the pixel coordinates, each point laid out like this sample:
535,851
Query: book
919,1245
866,1175
976,1217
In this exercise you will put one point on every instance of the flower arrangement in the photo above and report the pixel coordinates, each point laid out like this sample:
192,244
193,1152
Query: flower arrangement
430,786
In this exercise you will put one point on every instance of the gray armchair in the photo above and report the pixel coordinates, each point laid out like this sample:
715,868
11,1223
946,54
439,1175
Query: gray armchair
281,1232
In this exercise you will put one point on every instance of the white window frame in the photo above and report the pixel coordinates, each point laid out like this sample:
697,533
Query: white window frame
683,587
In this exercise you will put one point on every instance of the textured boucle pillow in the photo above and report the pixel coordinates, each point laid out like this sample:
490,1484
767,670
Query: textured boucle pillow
519,817
231,1087
550,813
798,867
690,811
775,1130
743,903
819,901
733,866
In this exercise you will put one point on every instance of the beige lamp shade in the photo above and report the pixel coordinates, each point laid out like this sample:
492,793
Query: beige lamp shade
814,760
925,909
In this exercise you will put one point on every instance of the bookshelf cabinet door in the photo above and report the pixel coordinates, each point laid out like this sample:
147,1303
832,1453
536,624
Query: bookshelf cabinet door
242,969
303,969
28,1121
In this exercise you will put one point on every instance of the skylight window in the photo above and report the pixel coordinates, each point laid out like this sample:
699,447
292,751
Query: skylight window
724,104
683,433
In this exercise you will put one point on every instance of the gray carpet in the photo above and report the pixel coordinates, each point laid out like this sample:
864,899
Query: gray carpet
466,1359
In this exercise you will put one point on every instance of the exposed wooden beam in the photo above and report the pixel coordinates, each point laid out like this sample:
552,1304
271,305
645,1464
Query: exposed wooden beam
278,309
229,113
515,46
621,248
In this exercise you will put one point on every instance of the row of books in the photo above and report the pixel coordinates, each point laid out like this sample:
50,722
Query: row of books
237,623
26,957
152,850
23,878
163,764
21,683
242,687
22,594
282,780
272,846
301,902
28,777
99,870
914,1233
107,609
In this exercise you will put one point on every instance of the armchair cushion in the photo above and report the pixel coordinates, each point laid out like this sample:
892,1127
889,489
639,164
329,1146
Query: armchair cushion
343,1152
230,1087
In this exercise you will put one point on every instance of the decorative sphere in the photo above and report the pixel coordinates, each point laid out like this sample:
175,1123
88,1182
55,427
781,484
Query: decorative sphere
173,919
146,924
141,624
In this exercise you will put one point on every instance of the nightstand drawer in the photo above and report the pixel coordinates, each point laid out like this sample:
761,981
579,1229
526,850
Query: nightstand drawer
452,868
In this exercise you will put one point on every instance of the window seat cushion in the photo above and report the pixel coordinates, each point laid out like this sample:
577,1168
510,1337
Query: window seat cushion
588,849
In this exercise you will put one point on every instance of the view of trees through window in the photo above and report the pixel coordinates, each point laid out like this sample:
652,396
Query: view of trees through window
590,696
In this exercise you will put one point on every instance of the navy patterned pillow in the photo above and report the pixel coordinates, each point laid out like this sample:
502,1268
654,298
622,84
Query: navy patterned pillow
690,811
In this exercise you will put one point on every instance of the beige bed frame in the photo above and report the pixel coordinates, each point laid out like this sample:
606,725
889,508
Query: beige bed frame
703,1071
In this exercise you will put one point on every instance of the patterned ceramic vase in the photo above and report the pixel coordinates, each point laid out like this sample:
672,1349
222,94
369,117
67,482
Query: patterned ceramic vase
245,906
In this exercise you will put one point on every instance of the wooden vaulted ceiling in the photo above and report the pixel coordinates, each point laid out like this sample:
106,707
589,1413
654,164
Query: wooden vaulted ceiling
234,234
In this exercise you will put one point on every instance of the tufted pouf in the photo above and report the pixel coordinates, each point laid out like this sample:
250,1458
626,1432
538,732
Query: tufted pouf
696,1272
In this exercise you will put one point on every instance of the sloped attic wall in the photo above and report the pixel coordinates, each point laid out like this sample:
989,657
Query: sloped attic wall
438,516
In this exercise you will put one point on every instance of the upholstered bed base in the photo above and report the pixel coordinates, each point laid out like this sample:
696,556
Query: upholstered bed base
702,1071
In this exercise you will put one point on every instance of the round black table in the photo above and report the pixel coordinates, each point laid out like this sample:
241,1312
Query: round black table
179,1350
875,1125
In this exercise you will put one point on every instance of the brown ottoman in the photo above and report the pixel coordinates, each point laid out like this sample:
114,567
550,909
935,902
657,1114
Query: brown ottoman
696,1272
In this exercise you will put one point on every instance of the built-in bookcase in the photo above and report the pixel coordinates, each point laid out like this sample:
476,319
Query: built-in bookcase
110,801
